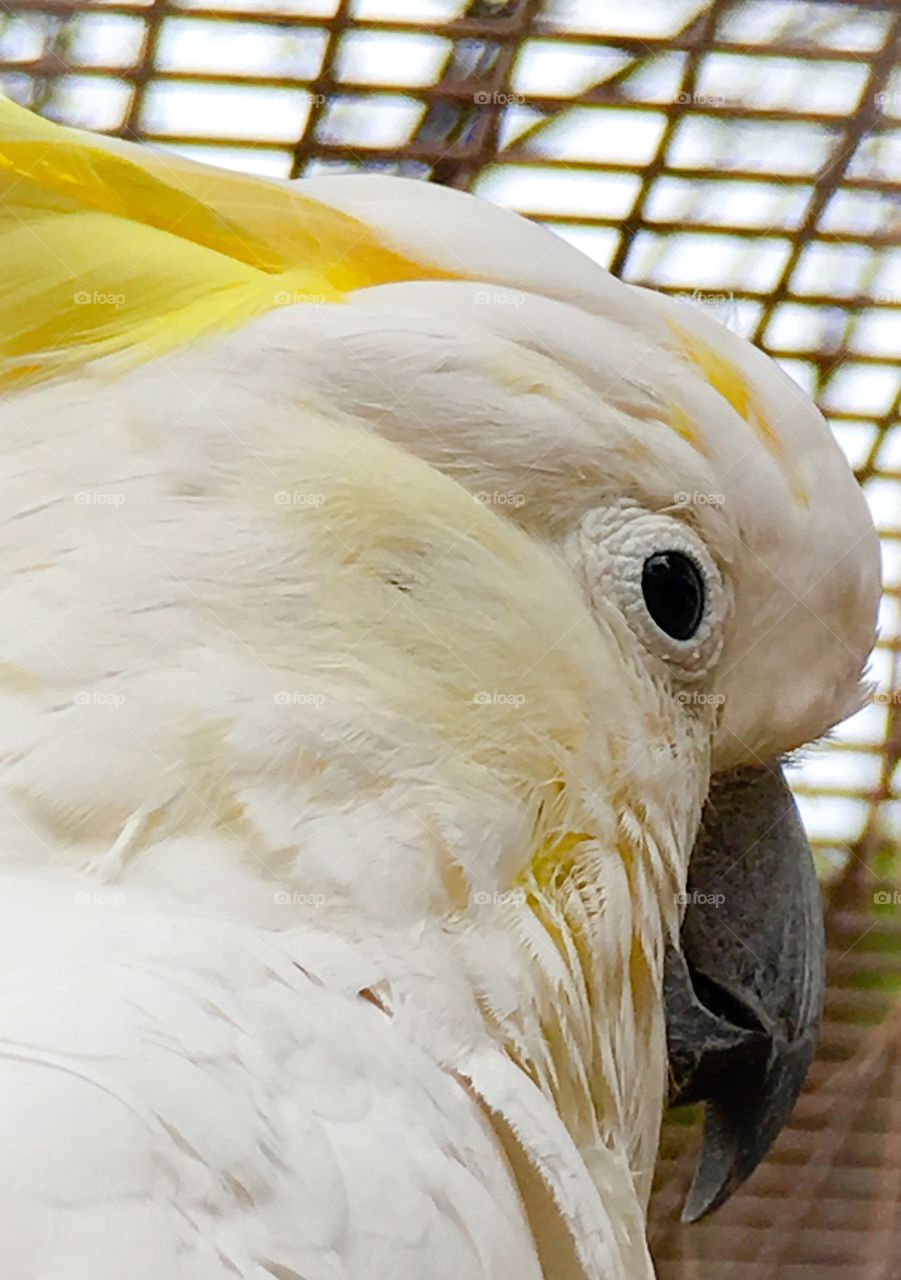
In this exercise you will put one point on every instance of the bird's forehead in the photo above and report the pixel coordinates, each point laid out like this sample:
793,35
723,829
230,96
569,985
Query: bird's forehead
480,242
730,382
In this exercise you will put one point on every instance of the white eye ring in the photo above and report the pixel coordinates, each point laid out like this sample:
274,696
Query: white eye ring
614,544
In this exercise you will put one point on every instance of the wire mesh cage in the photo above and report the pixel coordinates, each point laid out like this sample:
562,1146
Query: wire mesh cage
743,157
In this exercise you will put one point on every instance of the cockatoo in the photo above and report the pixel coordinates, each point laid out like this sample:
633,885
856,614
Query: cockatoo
403,624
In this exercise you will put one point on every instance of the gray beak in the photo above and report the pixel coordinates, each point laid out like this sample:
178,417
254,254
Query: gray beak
744,994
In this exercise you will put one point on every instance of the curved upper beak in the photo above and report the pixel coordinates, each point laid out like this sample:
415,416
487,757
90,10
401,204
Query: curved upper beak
744,993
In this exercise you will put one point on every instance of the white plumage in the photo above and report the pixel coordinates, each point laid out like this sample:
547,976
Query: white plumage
345,799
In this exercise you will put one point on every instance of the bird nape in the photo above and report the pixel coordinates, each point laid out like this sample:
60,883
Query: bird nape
403,624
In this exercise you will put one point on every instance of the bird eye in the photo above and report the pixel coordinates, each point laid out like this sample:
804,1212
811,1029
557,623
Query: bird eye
673,589
659,572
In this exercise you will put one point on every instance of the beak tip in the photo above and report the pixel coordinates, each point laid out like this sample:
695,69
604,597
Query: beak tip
697,1206
720,1170
744,993
698,1203
703,1200
740,1128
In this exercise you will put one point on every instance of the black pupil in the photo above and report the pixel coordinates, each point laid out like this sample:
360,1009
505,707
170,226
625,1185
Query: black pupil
673,591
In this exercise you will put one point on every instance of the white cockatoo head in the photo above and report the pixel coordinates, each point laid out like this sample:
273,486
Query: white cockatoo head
697,495
561,395
705,584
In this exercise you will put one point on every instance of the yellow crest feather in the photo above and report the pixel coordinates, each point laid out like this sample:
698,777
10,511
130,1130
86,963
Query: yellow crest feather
110,248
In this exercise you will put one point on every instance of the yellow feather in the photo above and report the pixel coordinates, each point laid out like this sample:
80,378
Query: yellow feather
116,249
682,424
728,380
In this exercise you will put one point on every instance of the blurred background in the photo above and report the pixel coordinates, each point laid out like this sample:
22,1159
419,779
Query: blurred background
745,157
